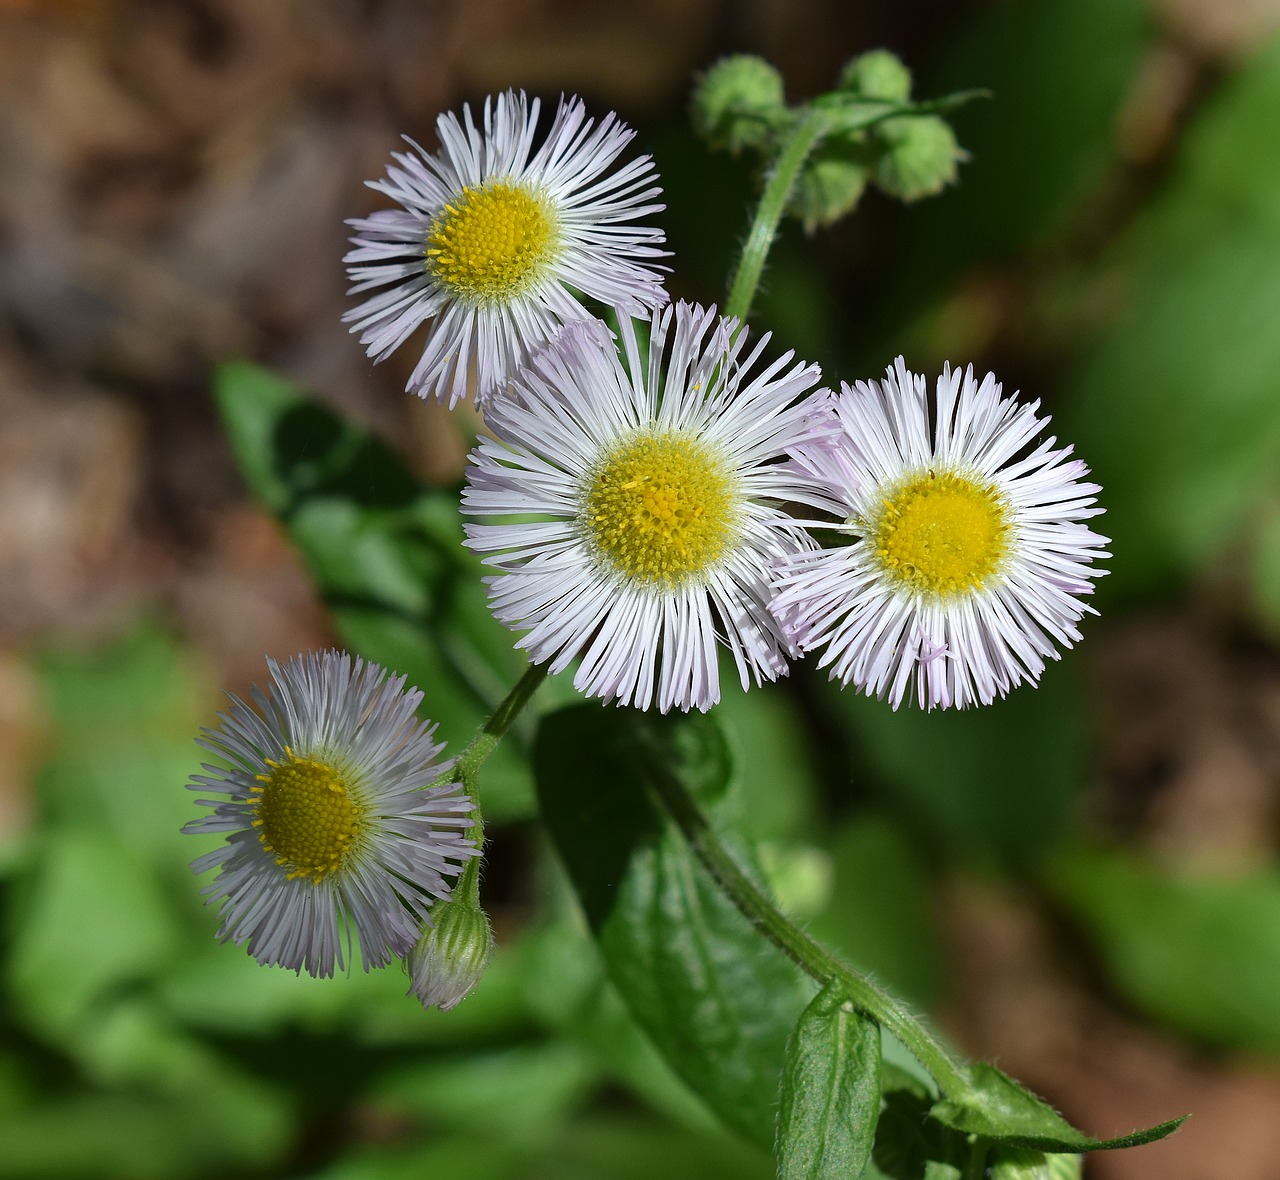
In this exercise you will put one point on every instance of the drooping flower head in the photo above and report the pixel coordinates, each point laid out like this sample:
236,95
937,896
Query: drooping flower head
331,827
655,488
494,241
450,958
969,555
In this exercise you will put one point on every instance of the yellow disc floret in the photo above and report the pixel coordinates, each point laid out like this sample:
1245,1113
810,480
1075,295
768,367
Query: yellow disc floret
942,533
492,241
306,816
661,508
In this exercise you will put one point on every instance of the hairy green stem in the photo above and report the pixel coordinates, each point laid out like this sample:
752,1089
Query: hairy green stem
810,956
800,140
486,741
467,886
467,765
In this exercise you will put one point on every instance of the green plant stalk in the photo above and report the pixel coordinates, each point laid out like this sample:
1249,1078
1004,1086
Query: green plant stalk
491,733
804,135
466,767
814,124
975,1167
810,956
467,887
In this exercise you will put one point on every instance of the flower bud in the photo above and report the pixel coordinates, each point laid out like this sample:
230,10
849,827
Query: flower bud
920,156
451,955
878,74
828,188
737,102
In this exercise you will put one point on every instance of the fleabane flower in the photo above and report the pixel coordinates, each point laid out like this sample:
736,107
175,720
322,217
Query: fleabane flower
651,491
494,242
968,557
331,826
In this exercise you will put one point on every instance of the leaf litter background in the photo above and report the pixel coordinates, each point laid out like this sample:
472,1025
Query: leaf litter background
1081,883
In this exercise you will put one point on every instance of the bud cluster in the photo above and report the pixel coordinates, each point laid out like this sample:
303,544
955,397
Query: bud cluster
874,137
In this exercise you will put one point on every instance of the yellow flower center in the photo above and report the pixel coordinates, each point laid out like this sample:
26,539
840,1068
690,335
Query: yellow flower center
306,816
492,242
661,508
942,533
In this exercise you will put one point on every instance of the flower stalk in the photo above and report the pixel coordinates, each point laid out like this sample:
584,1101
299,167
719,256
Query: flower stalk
811,957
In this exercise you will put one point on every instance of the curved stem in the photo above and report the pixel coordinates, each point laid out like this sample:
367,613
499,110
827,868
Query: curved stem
810,956
802,138
468,763
486,741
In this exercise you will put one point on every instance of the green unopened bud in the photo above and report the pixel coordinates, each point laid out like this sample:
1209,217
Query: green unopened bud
451,955
878,74
738,102
1020,1163
827,189
919,158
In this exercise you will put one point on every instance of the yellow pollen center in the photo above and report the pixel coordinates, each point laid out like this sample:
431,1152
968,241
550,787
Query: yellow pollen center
306,816
942,534
660,508
491,242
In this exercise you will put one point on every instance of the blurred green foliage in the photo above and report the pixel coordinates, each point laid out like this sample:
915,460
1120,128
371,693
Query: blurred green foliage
1200,951
1176,403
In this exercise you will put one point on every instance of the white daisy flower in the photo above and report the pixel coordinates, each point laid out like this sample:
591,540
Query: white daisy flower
494,242
330,827
968,559
655,489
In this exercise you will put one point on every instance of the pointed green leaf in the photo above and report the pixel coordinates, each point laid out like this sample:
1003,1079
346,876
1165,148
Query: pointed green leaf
830,1091
1002,1110
718,1001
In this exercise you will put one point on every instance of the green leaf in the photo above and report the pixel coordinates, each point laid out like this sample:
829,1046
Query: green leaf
830,1096
564,983
717,1000
93,922
123,722
1003,1111
386,556
1201,953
